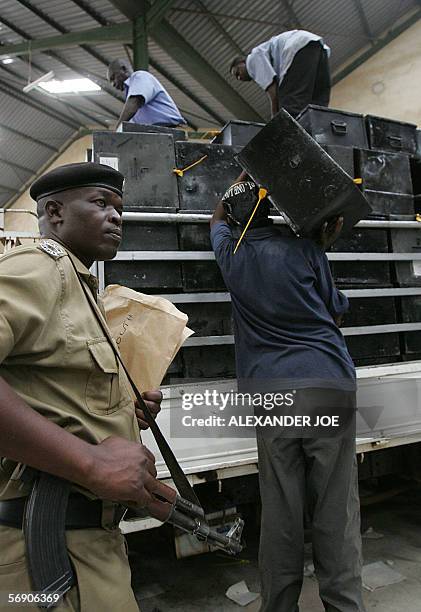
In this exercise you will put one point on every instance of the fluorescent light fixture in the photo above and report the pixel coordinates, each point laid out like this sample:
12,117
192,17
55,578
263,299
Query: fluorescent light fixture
7,60
45,77
69,86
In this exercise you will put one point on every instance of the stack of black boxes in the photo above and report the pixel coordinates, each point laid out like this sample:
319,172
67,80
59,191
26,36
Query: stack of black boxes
166,175
381,153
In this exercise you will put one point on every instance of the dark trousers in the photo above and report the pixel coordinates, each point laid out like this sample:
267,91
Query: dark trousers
307,80
319,476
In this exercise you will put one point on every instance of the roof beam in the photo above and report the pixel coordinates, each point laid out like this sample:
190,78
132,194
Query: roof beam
71,107
16,166
377,46
292,13
184,54
14,92
28,48
168,39
221,29
157,12
130,9
177,47
7,128
54,24
157,66
55,56
120,32
364,20
140,41
89,10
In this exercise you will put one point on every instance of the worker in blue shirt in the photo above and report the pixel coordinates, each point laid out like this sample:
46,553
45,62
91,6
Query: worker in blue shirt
286,312
147,101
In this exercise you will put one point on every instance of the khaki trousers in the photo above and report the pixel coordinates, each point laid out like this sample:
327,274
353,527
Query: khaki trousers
101,564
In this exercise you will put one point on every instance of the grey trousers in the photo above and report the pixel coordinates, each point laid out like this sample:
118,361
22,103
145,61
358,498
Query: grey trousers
318,475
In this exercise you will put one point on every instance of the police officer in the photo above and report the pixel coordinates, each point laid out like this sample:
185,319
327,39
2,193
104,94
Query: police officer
64,401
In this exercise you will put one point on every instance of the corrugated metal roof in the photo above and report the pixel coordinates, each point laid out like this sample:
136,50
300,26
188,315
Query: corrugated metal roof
216,29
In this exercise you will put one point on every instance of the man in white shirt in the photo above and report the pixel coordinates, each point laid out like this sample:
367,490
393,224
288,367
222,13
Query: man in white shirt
147,101
293,69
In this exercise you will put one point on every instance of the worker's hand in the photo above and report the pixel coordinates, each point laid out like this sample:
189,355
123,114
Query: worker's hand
122,471
329,232
153,401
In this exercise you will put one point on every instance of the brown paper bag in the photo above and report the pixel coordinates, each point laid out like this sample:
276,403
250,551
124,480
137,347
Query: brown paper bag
148,331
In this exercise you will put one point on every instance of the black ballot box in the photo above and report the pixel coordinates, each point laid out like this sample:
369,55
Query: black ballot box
214,361
418,141
194,236
370,311
149,236
372,348
208,318
302,180
147,162
407,273
411,313
237,133
389,135
343,156
202,186
384,171
330,126
176,133
202,276
359,273
385,205
416,181
386,182
145,276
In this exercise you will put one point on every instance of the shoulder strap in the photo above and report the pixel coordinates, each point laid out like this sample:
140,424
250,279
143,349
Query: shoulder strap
52,248
180,479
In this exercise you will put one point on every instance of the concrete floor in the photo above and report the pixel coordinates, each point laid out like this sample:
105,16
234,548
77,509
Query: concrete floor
198,584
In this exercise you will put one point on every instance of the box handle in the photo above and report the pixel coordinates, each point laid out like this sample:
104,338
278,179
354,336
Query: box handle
395,141
339,127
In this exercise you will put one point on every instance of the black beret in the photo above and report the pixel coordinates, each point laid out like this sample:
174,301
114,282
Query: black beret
73,176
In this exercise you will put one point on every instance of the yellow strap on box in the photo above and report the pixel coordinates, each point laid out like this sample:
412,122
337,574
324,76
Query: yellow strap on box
262,194
180,172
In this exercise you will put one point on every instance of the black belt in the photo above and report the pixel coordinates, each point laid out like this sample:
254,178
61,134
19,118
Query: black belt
82,513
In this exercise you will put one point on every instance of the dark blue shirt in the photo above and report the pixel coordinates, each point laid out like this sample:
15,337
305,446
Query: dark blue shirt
284,302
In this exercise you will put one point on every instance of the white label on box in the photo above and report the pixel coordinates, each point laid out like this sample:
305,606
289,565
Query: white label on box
416,268
109,161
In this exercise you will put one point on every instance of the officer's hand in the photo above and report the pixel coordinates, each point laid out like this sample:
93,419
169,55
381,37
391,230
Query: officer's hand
153,401
122,471
329,232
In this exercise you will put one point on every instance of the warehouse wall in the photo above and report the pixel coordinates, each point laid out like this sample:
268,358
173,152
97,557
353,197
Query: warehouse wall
389,83
76,152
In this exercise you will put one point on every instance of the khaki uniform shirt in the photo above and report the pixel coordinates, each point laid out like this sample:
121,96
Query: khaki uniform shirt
53,352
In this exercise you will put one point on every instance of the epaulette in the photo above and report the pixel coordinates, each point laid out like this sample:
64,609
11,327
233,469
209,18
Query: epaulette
52,248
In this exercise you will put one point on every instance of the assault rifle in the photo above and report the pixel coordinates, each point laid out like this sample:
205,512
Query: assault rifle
49,565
